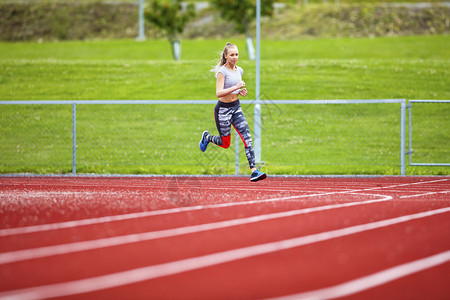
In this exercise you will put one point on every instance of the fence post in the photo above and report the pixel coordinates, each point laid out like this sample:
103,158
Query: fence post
74,138
257,141
409,133
236,153
257,113
403,137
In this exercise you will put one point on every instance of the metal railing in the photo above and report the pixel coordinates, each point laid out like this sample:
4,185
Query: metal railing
443,128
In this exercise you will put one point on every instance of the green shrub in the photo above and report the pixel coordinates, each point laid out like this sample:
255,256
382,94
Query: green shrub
357,21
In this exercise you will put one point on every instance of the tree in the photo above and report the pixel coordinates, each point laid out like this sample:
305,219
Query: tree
171,18
242,13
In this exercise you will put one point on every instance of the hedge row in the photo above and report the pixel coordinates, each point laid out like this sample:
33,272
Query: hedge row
359,21
72,21
67,21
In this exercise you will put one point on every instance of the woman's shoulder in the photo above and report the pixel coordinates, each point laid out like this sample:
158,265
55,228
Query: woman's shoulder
222,69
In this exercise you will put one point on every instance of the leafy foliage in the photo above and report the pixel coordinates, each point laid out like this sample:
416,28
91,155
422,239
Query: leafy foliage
357,20
66,21
242,12
169,16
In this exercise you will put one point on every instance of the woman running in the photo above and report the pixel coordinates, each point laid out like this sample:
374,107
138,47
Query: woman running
228,111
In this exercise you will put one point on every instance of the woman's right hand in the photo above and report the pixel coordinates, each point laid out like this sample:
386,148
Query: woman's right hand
240,85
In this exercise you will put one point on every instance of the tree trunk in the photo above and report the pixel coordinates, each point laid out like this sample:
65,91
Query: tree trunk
176,49
249,43
250,48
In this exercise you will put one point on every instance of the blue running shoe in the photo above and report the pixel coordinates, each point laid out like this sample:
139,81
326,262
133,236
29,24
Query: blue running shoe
204,142
257,175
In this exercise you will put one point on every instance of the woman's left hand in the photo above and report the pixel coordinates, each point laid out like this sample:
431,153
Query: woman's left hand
243,92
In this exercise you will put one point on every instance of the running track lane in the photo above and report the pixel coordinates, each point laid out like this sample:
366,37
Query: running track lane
274,224
32,201
270,268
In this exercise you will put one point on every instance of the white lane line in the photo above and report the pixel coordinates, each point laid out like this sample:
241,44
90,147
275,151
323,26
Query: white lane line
425,194
151,272
7,195
33,253
376,279
169,185
83,222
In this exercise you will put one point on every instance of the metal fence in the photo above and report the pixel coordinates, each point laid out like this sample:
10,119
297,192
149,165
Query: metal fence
161,137
431,128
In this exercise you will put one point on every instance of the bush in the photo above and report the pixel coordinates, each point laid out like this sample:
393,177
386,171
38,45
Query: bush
358,21
67,21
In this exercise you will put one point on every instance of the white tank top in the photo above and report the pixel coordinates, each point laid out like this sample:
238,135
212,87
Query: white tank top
231,77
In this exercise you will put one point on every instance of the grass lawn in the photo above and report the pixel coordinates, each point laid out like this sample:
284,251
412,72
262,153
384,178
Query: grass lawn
163,139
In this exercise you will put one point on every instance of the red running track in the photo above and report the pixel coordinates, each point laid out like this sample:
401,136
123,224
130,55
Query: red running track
224,237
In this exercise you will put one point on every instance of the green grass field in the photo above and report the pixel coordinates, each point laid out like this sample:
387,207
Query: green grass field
163,139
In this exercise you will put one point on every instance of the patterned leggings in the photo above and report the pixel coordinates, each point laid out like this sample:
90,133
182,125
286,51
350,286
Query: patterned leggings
227,114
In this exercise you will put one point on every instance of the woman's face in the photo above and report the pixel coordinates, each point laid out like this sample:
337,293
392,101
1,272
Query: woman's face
232,55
